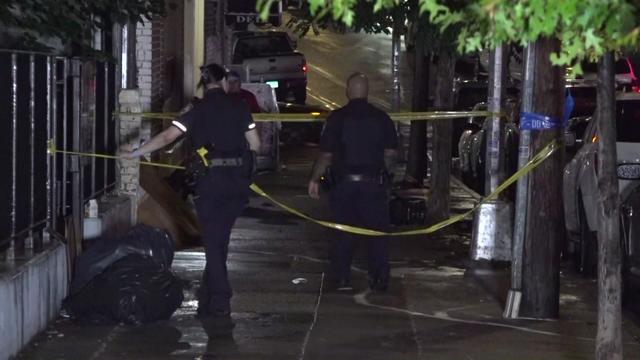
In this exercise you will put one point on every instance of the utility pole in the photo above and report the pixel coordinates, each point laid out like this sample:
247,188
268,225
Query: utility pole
539,225
609,339
493,222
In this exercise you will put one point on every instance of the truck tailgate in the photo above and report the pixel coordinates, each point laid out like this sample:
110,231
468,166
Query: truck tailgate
276,67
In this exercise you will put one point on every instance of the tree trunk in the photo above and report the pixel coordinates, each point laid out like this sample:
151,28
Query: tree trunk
417,157
438,204
609,340
543,226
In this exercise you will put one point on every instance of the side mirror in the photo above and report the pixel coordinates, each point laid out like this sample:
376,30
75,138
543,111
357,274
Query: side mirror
570,138
629,171
294,44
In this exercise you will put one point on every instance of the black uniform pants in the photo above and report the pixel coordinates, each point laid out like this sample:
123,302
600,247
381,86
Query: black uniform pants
221,197
362,204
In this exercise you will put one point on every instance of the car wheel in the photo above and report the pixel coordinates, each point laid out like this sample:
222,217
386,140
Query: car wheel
587,254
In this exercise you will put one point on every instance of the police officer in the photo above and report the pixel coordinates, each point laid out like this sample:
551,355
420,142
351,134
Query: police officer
358,145
225,128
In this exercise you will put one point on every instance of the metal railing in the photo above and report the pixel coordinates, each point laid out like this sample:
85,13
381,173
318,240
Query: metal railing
71,102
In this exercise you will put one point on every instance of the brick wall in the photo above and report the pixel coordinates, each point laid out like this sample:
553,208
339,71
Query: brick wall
211,31
144,59
130,133
159,50
158,62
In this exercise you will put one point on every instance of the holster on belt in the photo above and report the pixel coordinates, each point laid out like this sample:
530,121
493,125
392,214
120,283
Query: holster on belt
205,159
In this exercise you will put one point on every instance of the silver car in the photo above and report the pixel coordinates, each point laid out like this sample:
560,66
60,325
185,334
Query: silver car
581,189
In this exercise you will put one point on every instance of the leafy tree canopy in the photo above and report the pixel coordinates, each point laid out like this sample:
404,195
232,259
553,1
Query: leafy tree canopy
371,19
71,21
586,28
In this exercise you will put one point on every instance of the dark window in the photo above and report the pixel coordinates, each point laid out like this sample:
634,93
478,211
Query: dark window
261,46
466,68
589,67
622,66
628,126
635,63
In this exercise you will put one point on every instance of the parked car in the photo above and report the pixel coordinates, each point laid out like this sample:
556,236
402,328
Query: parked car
581,189
271,58
473,125
472,147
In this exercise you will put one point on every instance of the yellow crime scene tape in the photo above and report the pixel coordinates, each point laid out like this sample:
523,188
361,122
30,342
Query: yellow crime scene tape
316,116
534,162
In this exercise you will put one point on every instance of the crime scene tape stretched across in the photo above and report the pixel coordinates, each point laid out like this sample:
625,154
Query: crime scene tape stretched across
534,162
316,116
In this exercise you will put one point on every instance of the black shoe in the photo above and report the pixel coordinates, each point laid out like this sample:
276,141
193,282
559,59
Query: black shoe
218,327
204,313
378,284
340,285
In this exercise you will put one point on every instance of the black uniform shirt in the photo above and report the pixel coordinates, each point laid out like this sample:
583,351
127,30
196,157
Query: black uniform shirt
357,135
220,120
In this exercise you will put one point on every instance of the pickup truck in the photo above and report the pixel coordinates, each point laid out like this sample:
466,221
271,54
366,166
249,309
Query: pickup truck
271,58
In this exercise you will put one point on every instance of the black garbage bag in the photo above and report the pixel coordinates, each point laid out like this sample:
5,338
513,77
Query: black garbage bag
141,240
134,290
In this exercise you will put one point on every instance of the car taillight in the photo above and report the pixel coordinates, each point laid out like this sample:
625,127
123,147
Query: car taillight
304,66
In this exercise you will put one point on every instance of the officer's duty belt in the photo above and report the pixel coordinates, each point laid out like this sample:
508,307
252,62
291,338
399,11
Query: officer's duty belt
225,162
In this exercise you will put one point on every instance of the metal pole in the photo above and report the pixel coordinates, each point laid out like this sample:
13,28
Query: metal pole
107,117
65,136
77,192
395,64
32,129
93,128
492,225
14,149
512,307
494,170
51,136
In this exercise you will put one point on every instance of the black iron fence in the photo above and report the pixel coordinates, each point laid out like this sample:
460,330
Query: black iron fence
72,102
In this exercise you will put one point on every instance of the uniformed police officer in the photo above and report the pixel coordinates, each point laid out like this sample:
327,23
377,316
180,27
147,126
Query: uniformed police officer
358,145
224,127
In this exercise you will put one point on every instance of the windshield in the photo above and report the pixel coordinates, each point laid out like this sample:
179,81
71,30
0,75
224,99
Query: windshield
260,46
622,66
628,126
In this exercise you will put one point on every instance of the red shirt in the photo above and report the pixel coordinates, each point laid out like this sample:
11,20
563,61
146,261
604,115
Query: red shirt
250,99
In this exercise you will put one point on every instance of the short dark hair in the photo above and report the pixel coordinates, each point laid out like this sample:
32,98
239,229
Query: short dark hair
233,75
212,73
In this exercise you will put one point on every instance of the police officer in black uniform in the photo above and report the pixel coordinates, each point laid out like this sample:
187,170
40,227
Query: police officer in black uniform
358,146
225,129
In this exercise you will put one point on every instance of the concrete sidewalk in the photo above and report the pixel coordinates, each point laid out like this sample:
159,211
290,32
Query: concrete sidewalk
433,309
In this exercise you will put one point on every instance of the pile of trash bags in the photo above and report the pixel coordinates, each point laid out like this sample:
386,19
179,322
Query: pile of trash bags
126,280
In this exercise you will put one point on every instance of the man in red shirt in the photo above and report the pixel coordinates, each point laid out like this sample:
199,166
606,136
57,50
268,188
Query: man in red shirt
235,90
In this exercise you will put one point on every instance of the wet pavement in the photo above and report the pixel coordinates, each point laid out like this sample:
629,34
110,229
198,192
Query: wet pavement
434,309
329,68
